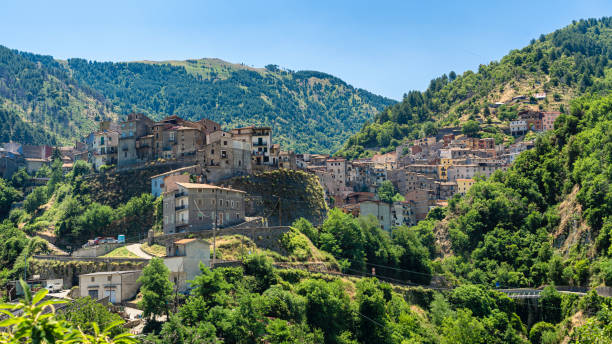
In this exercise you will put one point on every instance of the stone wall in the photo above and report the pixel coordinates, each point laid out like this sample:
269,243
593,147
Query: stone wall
263,237
70,269
95,251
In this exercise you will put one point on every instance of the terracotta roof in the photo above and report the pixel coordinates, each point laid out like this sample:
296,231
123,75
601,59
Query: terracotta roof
184,241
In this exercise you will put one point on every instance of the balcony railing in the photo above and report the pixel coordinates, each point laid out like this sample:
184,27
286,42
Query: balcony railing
180,194
257,144
180,207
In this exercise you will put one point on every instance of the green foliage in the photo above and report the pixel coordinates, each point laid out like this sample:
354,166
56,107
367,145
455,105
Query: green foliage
21,179
8,195
156,288
296,244
85,311
260,266
470,128
572,60
306,228
539,330
386,192
37,323
327,307
238,96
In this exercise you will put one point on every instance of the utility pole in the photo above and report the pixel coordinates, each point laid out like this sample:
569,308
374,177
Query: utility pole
215,232
280,212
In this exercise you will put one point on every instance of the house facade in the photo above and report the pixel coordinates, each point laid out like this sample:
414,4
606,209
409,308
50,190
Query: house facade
194,207
183,259
119,286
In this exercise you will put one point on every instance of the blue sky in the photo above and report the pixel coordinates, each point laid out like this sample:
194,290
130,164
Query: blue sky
387,47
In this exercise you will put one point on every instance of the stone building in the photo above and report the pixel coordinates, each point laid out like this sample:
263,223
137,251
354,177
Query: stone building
194,207
134,127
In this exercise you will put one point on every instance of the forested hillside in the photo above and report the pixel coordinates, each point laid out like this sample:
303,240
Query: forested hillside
48,101
564,64
41,103
309,111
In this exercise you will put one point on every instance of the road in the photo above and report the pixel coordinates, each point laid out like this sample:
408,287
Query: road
135,249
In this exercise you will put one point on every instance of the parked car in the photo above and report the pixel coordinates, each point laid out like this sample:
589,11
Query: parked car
54,285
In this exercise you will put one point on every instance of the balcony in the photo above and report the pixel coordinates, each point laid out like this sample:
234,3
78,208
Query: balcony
180,207
180,194
260,144
182,224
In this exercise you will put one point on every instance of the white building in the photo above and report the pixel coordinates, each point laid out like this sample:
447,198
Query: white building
184,258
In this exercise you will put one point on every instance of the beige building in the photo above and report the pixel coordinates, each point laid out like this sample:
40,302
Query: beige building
183,260
464,185
119,286
194,207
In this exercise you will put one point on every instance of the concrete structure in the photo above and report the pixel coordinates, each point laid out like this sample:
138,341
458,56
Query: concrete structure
120,286
402,214
183,260
34,164
194,207
518,127
380,210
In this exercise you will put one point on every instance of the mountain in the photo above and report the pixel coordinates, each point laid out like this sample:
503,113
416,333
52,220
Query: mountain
41,103
309,111
564,64
53,101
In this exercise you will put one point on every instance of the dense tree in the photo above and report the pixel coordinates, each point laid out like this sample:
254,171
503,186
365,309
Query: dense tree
156,288
8,195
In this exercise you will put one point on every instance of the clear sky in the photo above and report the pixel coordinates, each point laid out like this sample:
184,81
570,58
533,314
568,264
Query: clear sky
387,47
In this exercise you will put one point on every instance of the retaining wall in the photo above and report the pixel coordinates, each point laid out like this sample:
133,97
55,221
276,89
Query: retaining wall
263,237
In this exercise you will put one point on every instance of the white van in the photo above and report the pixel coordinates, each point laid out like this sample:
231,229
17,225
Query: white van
54,285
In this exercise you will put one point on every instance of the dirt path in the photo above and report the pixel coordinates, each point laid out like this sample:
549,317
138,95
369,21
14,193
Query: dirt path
135,249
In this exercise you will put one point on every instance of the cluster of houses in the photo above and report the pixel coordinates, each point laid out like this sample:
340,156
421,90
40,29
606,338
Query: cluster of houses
426,172
537,121
139,140
183,258
14,156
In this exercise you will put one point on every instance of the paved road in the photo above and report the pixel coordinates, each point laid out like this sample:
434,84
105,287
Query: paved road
135,249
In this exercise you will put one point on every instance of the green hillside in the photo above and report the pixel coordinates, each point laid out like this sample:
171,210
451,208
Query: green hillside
41,103
43,100
309,111
564,64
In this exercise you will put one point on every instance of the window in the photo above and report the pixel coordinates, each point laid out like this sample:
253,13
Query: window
109,278
93,279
